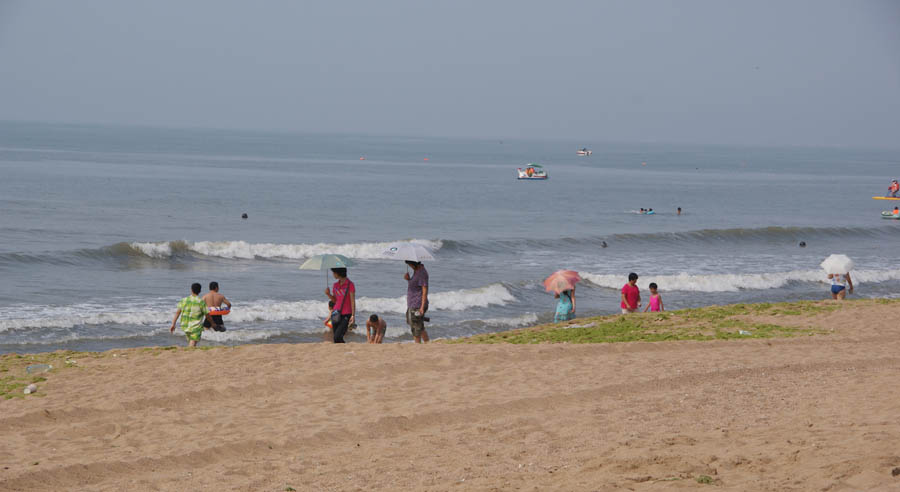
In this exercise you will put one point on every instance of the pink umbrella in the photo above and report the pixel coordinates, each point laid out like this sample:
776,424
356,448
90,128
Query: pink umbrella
562,280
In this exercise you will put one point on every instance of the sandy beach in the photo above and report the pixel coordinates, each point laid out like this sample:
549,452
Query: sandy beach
804,413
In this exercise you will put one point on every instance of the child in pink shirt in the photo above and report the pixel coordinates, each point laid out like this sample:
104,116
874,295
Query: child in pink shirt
631,295
655,303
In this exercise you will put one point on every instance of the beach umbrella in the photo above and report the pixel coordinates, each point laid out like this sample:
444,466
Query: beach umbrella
326,262
407,252
562,280
837,264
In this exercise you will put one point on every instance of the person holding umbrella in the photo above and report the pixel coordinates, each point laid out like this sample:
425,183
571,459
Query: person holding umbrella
838,269
416,284
562,284
343,294
342,305
417,300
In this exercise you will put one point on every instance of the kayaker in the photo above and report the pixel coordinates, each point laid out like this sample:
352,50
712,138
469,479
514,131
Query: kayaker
896,212
894,188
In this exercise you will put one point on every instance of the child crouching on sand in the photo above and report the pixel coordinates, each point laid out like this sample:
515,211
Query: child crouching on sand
375,328
655,303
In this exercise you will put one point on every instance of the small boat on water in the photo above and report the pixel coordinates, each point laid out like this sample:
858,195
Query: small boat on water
584,151
889,215
532,171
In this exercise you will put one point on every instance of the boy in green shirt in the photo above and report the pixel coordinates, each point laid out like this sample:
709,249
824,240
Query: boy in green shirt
193,311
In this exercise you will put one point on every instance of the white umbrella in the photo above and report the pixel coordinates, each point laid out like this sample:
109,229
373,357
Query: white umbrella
837,264
407,252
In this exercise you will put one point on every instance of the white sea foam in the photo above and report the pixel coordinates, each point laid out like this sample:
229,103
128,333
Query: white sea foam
514,322
154,250
42,316
736,282
245,250
247,335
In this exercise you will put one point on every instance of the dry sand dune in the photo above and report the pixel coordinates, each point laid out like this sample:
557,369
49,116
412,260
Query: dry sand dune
810,413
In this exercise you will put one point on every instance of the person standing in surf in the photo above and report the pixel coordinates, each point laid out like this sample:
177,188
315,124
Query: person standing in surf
214,301
631,295
192,311
343,293
839,285
417,300
655,304
565,307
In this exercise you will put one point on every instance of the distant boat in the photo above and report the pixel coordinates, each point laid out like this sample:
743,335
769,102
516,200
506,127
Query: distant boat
584,151
532,171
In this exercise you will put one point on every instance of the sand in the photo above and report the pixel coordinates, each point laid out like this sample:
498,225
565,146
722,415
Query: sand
809,413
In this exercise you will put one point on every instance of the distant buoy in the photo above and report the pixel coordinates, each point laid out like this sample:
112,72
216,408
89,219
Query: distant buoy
362,158
643,163
425,159
802,244
602,244
244,215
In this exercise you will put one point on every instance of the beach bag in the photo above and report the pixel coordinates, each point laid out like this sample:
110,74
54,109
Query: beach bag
336,314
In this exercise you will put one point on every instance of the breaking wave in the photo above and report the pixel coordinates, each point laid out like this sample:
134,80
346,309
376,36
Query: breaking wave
245,250
736,282
24,317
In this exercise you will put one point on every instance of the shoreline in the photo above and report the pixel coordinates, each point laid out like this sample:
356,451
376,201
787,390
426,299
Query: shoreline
767,413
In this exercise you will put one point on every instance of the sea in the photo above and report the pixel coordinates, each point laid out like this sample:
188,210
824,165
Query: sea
103,229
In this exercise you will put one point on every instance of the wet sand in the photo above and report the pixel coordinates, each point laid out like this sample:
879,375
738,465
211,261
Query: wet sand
808,413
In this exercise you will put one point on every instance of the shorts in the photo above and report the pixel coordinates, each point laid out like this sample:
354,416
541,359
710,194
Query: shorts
194,335
416,323
836,289
219,324
626,310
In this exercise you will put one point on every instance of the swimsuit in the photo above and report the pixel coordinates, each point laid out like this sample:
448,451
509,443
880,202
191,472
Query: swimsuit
838,283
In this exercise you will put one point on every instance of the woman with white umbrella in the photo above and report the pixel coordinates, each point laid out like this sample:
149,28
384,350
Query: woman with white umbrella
416,285
838,269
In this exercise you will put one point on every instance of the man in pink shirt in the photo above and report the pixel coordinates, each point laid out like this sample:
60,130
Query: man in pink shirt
631,295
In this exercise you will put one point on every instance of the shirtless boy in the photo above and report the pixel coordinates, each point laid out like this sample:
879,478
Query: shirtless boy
214,300
375,328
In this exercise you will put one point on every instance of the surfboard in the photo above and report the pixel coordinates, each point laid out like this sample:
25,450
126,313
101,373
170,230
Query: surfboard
885,198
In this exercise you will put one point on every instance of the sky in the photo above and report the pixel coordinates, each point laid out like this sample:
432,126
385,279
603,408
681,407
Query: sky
807,73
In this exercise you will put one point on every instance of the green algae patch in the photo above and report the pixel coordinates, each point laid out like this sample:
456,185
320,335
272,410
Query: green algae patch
731,322
14,374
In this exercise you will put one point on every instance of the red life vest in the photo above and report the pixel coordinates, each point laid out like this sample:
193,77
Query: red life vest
895,187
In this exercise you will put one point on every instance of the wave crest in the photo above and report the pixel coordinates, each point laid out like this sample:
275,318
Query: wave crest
736,282
245,250
63,317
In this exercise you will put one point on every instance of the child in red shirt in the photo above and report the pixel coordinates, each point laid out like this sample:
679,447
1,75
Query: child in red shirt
631,295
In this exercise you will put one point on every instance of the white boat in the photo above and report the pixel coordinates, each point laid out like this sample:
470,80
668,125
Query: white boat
584,151
532,171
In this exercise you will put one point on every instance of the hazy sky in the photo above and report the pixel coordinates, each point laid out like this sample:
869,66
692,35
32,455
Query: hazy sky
756,72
